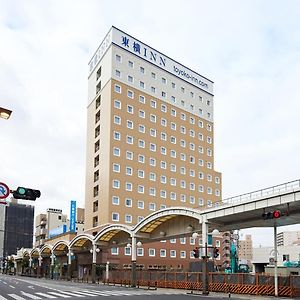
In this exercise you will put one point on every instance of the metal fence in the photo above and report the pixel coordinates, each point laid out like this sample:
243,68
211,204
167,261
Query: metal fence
252,284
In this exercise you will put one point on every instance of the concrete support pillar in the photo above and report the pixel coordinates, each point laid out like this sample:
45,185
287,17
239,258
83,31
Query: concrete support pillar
94,260
275,259
30,265
204,270
107,271
39,270
69,264
52,257
133,261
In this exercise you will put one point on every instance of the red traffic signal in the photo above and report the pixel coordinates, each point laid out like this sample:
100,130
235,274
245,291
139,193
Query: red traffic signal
276,214
271,215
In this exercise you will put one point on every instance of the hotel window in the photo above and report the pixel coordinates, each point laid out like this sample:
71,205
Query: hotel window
128,202
141,114
153,132
163,136
200,162
192,107
153,118
173,126
151,252
162,206
182,184
115,200
163,194
163,253
164,80
173,85
118,89
173,139
163,179
200,201
129,124
117,120
128,171
142,70
116,168
163,165
173,196
128,186
173,99
209,203
217,193
192,159
130,94
182,143
192,120
183,254
127,251
208,115
141,189
173,168
152,162
200,124
163,122
192,173
129,139
97,145
163,150
128,218
173,153
140,204
141,128
140,219
209,165
142,84
152,191
142,99
130,64
192,200
182,197
182,89
173,253
217,180
141,174
130,109
141,143
182,129
173,181
153,75
115,217
116,151
163,108
152,89
163,94
192,133
200,112
209,140
192,241
118,58
183,116
182,240
153,103
130,78
117,104
129,155
208,102
114,250
182,171
200,149
98,101
209,177
152,147
152,206
118,73
173,241
200,188
95,207
152,176
117,135
141,159
201,99
192,146
182,156
200,136
208,127
182,103
192,94
173,112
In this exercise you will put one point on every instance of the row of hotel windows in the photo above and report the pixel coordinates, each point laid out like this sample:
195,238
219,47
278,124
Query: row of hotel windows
163,108
163,194
130,94
152,252
154,77
163,179
152,162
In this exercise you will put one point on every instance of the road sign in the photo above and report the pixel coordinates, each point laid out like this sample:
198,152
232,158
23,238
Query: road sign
272,260
4,190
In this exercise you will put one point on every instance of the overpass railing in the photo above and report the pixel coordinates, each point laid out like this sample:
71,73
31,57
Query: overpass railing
267,192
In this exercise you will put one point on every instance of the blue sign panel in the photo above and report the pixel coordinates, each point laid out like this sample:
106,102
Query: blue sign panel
59,230
73,216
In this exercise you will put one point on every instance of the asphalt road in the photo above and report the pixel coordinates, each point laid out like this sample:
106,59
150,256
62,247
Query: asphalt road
24,288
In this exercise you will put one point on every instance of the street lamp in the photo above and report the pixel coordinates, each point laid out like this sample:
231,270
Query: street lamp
134,247
5,113
205,284
94,251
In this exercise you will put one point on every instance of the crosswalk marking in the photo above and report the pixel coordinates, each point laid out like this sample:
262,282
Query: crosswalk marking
11,286
84,293
2,298
45,295
30,296
59,294
71,294
17,297
100,293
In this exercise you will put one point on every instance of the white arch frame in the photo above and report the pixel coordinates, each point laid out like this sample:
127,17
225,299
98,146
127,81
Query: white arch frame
86,236
120,227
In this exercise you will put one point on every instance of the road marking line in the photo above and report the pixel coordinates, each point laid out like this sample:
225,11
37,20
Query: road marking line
99,293
85,294
59,294
16,297
12,286
71,294
45,295
2,298
30,296
4,282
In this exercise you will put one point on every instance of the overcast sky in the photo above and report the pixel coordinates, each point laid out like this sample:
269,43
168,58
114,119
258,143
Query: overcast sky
250,49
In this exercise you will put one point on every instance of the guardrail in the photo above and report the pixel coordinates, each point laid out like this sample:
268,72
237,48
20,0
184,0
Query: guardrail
284,187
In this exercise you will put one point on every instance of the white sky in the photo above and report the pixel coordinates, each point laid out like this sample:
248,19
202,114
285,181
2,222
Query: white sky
250,49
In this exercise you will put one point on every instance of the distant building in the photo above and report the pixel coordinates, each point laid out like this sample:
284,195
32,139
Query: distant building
245,249
54,222
288,238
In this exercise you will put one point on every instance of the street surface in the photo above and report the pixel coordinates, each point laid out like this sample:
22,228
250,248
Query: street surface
25,288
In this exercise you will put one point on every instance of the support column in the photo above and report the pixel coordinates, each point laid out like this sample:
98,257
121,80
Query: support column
133,261
107,271
94,260
52,265
275,259
69,264
204,267
39,271
30,265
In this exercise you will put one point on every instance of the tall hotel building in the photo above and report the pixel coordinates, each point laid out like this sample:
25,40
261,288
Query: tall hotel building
150,134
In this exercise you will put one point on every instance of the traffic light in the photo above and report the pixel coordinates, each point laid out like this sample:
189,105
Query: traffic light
216,252
196,252
271,215
26,194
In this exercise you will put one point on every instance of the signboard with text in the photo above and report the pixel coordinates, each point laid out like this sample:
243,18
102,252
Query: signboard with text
73,216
